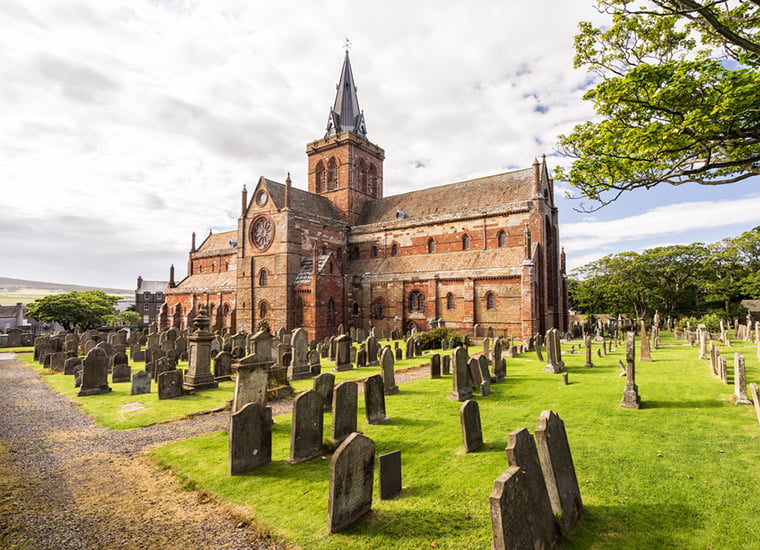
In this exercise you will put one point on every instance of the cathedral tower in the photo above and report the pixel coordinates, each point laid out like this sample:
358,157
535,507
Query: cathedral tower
344,166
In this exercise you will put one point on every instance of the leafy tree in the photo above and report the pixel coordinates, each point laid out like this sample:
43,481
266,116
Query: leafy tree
677,100
87,309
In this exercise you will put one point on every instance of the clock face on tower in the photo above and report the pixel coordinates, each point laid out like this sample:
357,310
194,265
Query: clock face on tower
262,232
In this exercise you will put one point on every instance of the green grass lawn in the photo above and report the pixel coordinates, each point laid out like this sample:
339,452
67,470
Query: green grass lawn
681,472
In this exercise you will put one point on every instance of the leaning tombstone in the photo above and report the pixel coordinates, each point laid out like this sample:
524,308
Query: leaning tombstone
374,399
323,385
250,439
559,471
755,398
170,384
140,383
511,516
389,472
94,373
344,406
389,374
352,469
475,373
306,430
472,432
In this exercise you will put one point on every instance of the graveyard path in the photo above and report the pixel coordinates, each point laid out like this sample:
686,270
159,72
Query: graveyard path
66,483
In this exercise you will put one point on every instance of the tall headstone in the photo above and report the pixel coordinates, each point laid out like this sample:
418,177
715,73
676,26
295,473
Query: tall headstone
374,399
343,353
299,364
306,430
472,432
554,364
389,472
250,438
631,399
446,367
352,470
740,381
511,515
198,376
435,365
753,389
251,377
94,373
703,345
587,342
389,374
373,350
499,372
323,385
462,387
344,410
559,470
645,354
539,343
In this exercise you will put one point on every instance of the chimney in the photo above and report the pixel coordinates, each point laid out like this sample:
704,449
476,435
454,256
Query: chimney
192,247
287,192
536,175
19,314
172,284
244,201
139,282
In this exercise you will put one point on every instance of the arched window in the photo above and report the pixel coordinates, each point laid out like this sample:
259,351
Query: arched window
431,246
502,238
372,180
466,242
355,253
319,174
363,176
379,309
416,301
263,310
449,301
299,312
374,252
355,309
263,277
330,312
332,175
490,300
394,250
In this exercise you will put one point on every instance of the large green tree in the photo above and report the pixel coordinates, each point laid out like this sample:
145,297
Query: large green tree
676,97
87,309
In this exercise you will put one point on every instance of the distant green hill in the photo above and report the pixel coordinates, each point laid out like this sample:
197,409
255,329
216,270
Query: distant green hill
13,291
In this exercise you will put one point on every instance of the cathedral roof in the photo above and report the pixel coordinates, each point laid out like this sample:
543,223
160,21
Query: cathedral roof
304,276
497,262
218,242
476,195
219,281
345,113
302,202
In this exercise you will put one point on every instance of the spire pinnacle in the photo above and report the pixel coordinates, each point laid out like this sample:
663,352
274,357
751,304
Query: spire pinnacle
345,113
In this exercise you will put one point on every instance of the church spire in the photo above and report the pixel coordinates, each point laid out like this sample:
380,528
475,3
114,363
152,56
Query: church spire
345,113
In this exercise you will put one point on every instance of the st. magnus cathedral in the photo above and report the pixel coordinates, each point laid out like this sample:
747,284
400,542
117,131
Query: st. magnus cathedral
478,252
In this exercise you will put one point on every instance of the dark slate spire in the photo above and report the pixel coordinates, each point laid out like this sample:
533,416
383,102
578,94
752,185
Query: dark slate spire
345,114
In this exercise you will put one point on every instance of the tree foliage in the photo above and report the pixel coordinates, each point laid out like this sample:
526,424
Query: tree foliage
679,280
677,97
87,309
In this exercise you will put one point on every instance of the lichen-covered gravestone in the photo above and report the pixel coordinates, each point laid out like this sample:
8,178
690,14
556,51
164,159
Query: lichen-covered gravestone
121,373
323,385
462,390
389,374
250,440
374,399
94,373
140,382
352,469
306,429
170,384
344,406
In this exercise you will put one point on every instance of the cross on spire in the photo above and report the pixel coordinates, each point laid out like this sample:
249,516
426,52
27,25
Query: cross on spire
347,44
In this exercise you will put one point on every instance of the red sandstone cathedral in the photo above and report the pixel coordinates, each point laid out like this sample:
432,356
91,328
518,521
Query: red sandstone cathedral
479,252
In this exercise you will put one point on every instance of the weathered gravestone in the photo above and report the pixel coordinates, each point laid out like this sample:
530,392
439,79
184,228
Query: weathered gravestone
140,383
299,364
252,375
71,364
389,472
472,432
121,373
446,365
475,373
323,385
58,361
198,376
462,387
435,365
645,354
389,374
753,389
631,399
400,354
343,353
740,380
499,364
558,468
223,366
164,364
250,439
307,427
554,363
511,516
94,373
344,406
373,349
374,399
170,384
352,470
587,343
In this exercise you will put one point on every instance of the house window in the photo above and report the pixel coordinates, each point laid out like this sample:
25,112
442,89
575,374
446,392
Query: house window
466,242
502,239
490,300
449,301
146,307
263,310
379,310
394,250
159,296
416,301
431,246
146,296
263,277
330,312
374,252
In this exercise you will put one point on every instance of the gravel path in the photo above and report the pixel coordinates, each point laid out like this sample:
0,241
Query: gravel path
66,483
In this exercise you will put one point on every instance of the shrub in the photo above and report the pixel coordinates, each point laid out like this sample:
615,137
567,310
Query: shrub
432,338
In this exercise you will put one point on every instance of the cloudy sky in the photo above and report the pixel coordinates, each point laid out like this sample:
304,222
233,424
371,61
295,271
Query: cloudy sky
127,125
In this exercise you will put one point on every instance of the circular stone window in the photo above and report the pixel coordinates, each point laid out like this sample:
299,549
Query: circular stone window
262,232
261,198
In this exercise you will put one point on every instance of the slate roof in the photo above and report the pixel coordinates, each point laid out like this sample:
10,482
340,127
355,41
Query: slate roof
304,275
505,261
218,242
302,202
345,113
475,195
8,311
206,282
152,286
